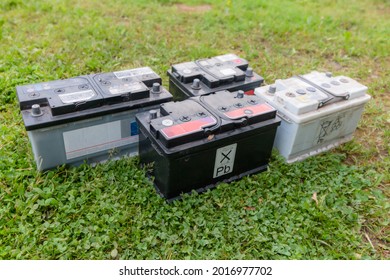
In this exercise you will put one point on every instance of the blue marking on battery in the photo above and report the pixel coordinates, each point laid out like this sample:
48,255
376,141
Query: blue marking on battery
134,128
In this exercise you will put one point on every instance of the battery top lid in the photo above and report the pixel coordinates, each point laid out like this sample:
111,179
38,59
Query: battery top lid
181,122
306,93
237,107
213,71
62,96
48,103
126,85
199,117
76,94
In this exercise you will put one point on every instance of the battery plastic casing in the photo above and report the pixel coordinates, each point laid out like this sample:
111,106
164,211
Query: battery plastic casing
197,143
88,118
224,72
318,112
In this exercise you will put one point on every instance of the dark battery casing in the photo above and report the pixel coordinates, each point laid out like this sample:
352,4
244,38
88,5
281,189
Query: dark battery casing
88,118
234,141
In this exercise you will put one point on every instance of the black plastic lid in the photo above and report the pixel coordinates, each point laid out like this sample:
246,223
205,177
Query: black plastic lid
76,98
238,107
181,122
203,76
199,117
213,72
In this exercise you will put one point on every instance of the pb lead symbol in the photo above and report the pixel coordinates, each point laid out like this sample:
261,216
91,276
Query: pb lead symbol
224,160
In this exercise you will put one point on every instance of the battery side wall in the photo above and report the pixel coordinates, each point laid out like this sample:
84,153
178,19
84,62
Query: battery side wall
49,147
176,175
299,141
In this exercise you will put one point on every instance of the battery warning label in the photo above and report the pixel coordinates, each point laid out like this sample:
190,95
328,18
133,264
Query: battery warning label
226,57
78,96
126,88
187,127
133,72
254,110
224,160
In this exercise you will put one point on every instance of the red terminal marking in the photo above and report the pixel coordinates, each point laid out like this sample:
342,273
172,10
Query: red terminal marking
237,61
255,109
188,127
250,92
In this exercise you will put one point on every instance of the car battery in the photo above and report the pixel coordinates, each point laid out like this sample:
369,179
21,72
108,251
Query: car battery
196,143
88,118
203,76
318,112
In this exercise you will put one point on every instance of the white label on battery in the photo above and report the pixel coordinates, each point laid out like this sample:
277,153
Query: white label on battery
125,88
133,72
77,96
167,122
224,160
227,72
93,139
226,57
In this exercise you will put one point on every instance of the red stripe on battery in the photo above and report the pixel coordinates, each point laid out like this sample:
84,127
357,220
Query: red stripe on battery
188,127
253,110
250,92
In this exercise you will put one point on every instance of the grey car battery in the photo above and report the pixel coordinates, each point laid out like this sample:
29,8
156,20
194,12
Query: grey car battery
319,111
203,76
88,118
196,143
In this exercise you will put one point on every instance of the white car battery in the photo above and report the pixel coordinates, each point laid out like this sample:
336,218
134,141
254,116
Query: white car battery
318,112
88,118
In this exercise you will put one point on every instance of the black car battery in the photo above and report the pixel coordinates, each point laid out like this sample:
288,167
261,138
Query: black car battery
88,118
196,143
203,76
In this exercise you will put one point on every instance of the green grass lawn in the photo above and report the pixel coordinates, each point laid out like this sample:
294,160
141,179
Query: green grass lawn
112,211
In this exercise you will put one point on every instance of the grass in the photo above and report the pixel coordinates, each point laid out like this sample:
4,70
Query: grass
332,206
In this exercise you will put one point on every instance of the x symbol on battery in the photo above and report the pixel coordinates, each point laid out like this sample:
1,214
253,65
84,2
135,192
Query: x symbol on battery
185,118
225,156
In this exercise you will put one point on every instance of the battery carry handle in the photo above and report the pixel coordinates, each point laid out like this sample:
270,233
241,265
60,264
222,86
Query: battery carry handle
328,93
242,122
205,69
210,130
